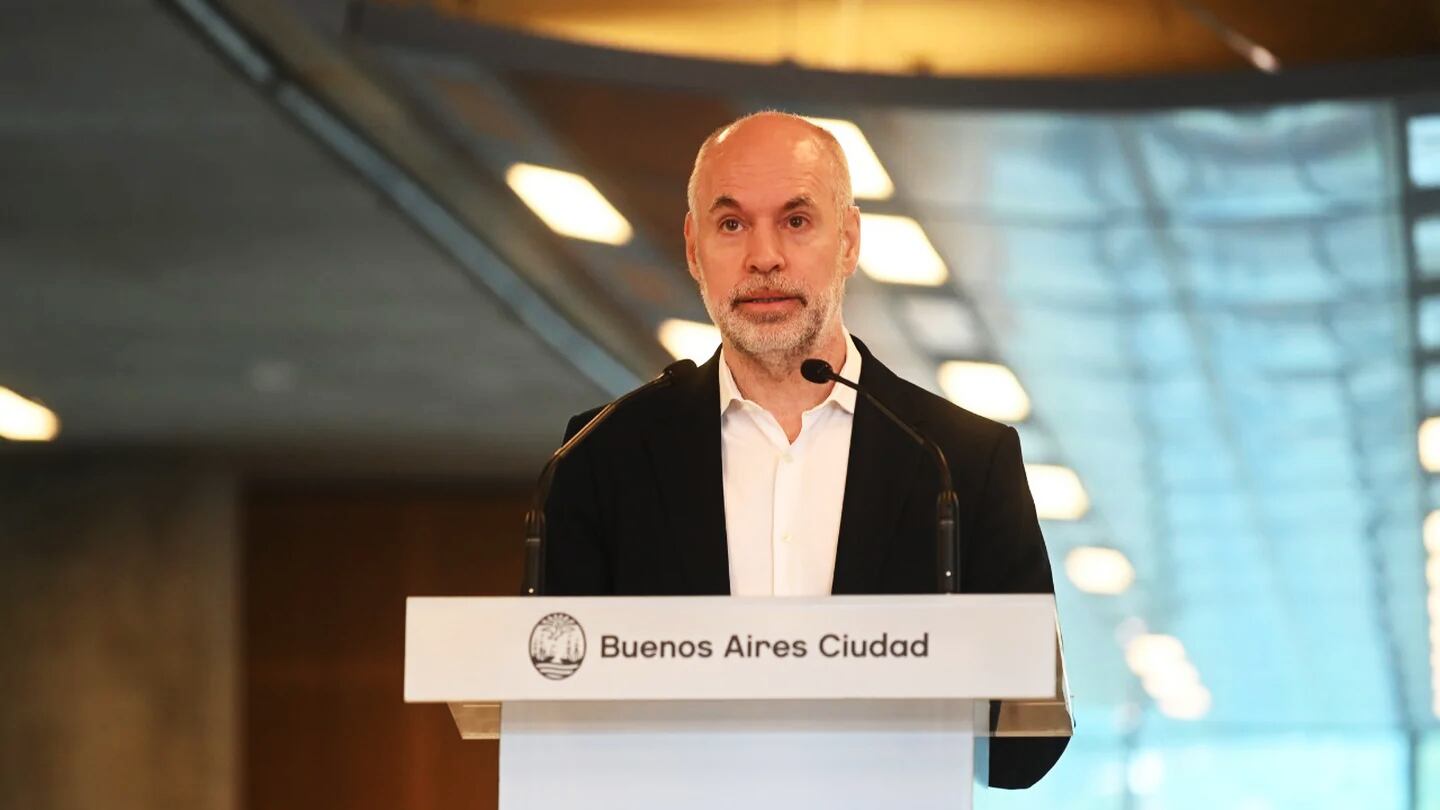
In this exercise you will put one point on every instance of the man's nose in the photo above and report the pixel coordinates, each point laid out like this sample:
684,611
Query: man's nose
765,254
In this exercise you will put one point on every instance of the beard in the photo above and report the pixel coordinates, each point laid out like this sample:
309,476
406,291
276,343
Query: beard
780,336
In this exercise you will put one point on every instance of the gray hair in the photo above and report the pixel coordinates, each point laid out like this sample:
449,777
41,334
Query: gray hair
844,197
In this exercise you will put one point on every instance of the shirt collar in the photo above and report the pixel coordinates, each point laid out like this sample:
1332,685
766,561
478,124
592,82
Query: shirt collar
841,395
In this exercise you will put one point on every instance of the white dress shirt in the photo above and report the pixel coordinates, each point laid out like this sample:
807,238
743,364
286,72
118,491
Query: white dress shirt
783,500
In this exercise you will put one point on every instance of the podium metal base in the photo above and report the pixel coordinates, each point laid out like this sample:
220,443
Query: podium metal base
753,755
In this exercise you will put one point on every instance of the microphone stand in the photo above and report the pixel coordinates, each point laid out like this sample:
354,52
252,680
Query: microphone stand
947,505
533,583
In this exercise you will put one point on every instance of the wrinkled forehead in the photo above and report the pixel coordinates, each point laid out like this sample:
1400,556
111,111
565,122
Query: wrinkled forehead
765,174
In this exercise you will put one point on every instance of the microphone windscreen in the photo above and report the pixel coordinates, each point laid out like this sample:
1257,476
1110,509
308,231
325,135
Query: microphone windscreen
816,370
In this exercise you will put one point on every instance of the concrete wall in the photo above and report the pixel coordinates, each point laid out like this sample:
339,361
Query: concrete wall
118,656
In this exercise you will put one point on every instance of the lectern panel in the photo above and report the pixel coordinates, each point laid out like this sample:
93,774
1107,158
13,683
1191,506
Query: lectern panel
759,755
725,702
727,648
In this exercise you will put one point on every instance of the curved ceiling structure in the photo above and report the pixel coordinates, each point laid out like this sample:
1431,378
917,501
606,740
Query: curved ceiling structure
987,38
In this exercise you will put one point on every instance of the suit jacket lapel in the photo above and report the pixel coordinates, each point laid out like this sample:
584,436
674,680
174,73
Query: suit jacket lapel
881,470
686,455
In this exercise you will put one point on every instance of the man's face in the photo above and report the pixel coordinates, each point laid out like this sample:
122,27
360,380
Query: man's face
768,243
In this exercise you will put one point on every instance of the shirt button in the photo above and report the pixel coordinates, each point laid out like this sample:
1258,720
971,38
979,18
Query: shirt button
787,458
785,538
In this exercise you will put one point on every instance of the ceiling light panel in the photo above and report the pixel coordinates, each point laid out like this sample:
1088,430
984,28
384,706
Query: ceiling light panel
988,389
1165,672
1425,236
1427,322
24,420
690,340
1172,680
1057,492
1151,652
896,250
569,204
1429,440
1190,704
1424,135
868,179
1099,570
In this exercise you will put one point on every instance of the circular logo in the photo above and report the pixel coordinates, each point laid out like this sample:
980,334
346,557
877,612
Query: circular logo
557,646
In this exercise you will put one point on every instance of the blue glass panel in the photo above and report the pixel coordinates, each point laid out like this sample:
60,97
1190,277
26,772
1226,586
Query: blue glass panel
1426,239
1424,134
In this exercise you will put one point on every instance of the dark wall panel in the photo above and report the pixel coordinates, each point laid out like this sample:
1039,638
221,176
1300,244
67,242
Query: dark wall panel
327,570
117,633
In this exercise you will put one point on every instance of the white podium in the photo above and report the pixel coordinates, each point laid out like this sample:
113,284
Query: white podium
725,702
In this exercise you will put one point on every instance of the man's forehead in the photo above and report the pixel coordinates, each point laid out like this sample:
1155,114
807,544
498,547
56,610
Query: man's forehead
763,179
766,151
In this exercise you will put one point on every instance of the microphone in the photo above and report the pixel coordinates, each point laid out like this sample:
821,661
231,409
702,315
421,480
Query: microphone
947,506
534,582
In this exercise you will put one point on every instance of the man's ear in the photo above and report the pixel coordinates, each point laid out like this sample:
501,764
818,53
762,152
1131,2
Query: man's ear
850,239
690,247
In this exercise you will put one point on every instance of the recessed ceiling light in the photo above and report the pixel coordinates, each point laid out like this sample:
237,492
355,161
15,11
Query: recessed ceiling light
868,179
24,420
1057,492
1151,652
1430,444
895,250
568,203
689,339
1427,322
1425,235
1170,679
988,389
1095,569
1190,704
1424,135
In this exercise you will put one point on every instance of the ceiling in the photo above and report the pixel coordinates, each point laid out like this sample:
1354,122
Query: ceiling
981,37
186,268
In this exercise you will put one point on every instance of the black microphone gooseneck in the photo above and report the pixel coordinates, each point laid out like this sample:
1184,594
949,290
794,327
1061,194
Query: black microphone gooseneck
947,506
534,582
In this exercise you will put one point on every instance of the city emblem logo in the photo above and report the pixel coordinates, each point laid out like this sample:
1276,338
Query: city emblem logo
557,646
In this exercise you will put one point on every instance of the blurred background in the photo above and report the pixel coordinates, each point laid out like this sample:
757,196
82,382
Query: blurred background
298,295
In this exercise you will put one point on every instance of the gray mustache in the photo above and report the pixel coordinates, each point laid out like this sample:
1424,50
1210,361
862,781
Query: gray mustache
777,289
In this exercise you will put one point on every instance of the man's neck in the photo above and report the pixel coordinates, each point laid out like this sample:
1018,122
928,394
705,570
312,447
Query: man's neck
777,385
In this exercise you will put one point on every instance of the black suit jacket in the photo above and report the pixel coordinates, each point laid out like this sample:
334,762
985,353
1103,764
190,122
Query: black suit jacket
638,509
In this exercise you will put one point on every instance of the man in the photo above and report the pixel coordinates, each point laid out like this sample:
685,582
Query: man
744,478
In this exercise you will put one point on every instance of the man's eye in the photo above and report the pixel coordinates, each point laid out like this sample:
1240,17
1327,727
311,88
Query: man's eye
730,225
797,221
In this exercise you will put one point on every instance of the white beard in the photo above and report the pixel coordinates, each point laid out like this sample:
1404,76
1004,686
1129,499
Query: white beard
775,339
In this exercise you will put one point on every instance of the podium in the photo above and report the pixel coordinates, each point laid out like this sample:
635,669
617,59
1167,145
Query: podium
725,702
